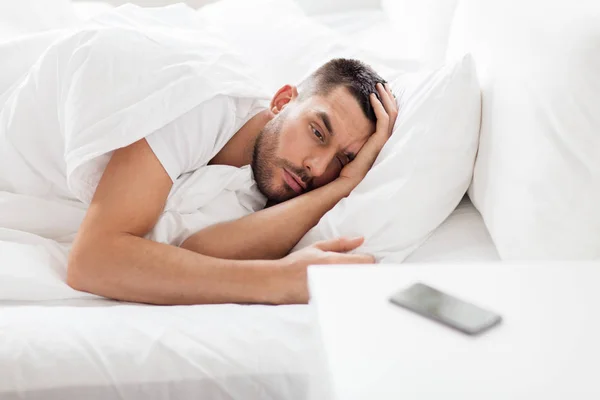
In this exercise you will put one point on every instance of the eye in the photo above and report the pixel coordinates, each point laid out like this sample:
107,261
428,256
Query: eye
318,134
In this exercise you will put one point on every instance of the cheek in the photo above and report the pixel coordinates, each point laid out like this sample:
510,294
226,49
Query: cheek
294,145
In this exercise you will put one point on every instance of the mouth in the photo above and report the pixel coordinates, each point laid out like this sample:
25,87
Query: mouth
293,181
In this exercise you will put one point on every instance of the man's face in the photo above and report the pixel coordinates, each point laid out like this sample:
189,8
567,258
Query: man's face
308,142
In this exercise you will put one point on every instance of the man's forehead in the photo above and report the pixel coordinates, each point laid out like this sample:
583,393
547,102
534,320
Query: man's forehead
341,110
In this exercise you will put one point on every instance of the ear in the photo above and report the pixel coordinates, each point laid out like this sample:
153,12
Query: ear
283,96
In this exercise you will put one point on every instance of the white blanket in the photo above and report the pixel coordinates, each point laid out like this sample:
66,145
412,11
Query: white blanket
95,89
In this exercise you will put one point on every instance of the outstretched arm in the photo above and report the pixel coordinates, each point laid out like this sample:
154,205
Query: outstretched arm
270,233
110,256
273,232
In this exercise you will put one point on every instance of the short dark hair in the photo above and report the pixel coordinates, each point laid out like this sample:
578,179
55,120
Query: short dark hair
359,78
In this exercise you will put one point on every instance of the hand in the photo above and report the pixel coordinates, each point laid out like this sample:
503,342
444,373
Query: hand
325,252
386,112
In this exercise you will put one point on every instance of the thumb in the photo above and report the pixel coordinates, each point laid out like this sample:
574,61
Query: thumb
340,245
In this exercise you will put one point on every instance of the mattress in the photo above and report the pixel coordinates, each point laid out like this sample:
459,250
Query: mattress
100,349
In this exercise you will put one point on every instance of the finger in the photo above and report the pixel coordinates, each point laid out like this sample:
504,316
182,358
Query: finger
390,105
340,245
371,149
386,99
388,89
392,95
381,114
353,259
382,132
392,109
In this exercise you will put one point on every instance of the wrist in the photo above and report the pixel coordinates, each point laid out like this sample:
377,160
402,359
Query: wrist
345,185
326,197
289,283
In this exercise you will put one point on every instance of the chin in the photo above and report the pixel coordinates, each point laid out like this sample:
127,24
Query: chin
281,195
278,193
272,185
273,192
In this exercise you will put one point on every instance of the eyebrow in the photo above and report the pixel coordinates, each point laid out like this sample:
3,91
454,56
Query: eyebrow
323,115
327,122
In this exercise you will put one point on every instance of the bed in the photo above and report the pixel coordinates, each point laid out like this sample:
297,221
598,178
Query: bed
99,349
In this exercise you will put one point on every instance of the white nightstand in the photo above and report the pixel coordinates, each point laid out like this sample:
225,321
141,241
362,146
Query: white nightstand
547,347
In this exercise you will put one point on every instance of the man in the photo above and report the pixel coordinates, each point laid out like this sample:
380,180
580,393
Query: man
308,150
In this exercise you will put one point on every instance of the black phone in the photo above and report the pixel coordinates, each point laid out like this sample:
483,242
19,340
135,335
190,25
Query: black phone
447,309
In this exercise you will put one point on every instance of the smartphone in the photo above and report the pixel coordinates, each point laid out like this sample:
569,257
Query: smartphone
447,309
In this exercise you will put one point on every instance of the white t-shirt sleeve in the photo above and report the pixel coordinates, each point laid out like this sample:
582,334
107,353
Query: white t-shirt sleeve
191,141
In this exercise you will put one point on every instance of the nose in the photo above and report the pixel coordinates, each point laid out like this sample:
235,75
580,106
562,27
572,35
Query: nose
318,163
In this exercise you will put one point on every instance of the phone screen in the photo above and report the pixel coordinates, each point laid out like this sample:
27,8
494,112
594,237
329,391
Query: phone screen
442,307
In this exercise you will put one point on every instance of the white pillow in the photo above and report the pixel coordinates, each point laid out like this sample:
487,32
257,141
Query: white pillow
28,16
537,176
372,30
89,9
423,25
282,44
423,171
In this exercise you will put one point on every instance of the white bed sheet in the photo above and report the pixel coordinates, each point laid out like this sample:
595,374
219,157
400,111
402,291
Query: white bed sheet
99,349
463,237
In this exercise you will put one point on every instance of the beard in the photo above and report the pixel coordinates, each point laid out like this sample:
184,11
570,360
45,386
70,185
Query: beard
265,162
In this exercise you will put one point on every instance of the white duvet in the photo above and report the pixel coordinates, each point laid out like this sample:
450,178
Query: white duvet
101,349
93,90
67,101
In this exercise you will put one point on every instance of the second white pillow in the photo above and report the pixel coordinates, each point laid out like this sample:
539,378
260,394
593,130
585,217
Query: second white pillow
537,176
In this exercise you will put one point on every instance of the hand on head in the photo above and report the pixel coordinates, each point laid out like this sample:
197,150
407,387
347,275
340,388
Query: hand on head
386,111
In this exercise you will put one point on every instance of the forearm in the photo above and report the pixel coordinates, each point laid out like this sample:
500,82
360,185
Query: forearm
270,233
130,268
